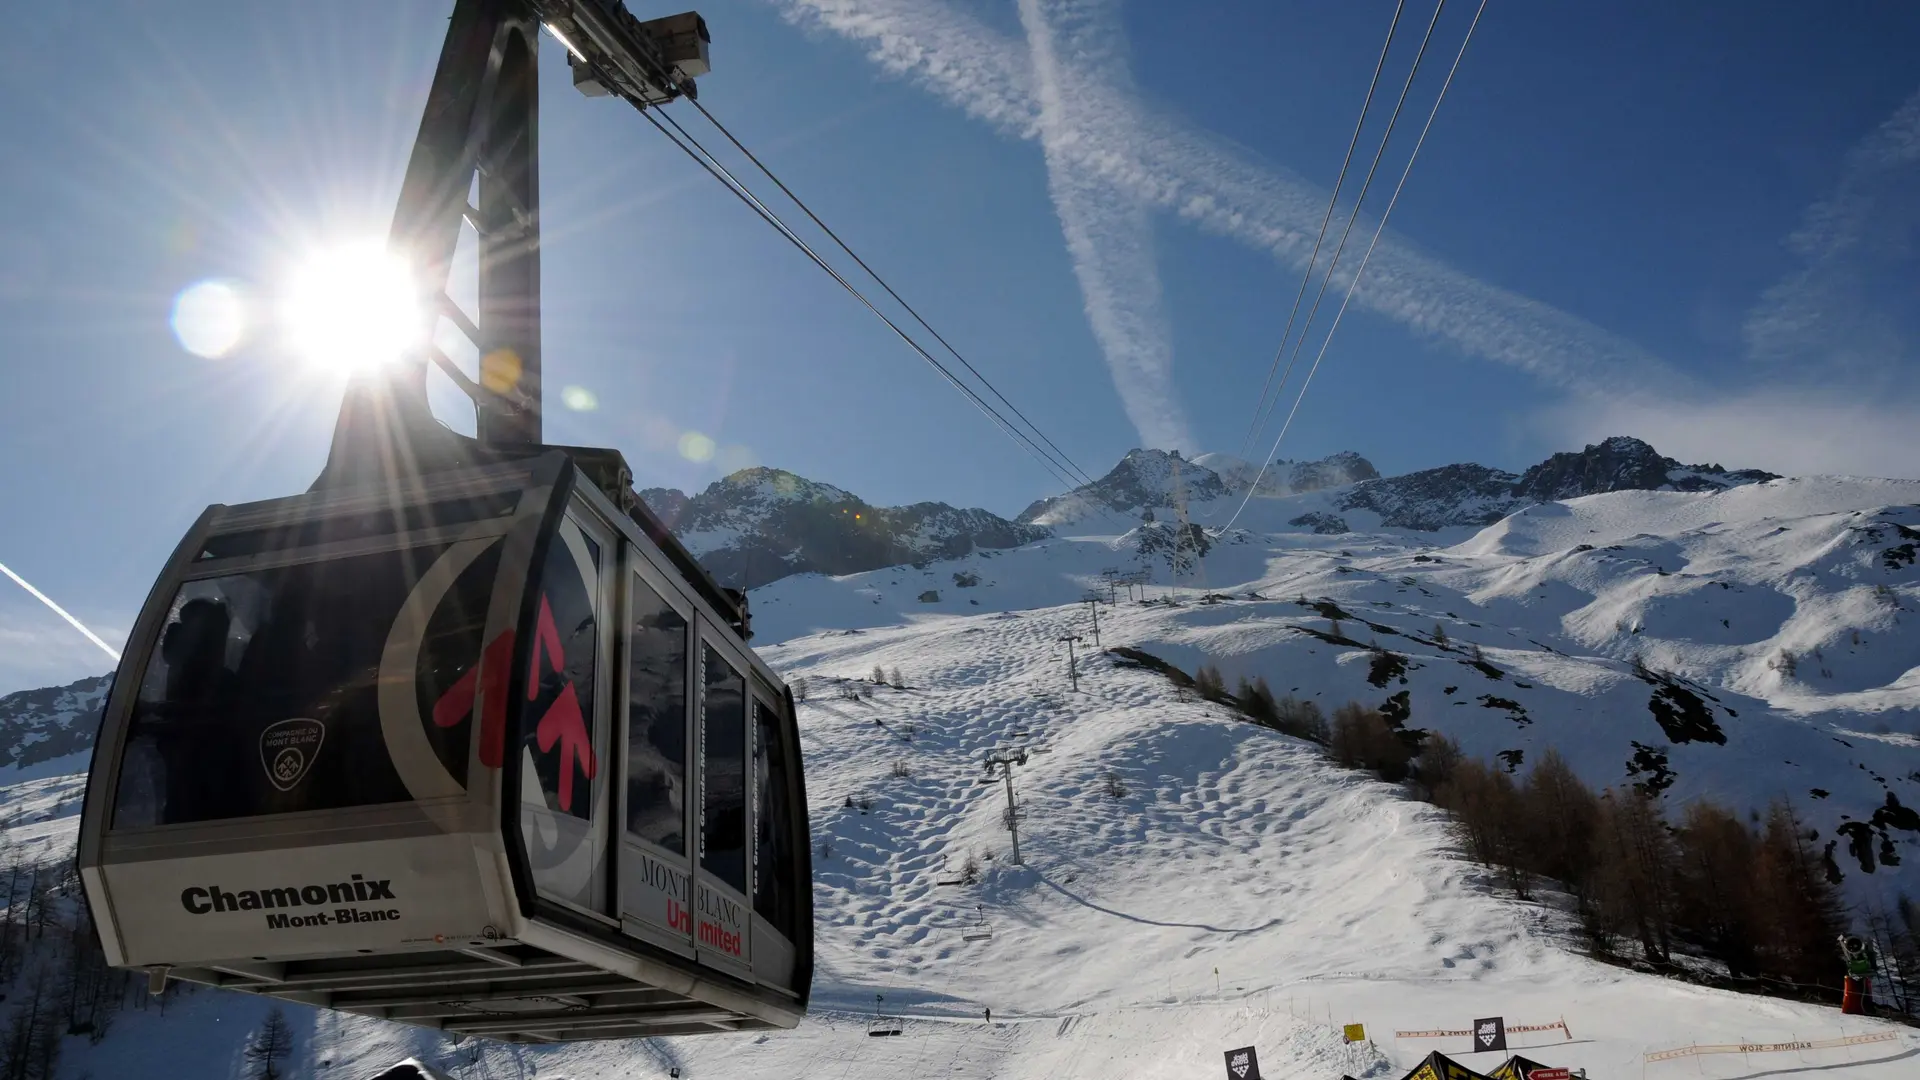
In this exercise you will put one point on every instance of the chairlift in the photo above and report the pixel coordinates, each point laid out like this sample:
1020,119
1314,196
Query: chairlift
462,736
979,929
882,1026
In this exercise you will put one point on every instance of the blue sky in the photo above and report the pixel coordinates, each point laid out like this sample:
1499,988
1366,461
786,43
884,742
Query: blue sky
1694,223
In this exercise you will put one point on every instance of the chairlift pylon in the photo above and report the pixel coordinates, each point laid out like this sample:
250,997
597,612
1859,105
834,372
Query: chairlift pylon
462,736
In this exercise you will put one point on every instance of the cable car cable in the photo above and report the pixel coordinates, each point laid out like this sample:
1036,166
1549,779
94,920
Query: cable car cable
1347,230
1366,258
720,172
1333,199
1062,470
726,178
875,275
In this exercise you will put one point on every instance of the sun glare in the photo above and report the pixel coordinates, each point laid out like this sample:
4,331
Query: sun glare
353,307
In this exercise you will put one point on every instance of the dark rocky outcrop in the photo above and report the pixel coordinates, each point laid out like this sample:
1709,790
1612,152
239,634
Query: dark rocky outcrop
1475,495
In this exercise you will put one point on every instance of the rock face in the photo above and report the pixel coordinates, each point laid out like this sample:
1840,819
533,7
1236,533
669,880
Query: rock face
1469,494
40,725
760,524
1286,477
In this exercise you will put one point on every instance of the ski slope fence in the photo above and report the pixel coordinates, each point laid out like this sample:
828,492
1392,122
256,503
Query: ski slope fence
1770,1048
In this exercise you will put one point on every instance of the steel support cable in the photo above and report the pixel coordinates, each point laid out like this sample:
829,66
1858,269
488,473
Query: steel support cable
1368,257
721,173
1260,419
882,282
1333,199
726,178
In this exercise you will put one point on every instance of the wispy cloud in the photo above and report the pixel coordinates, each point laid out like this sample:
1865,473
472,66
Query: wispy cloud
1798,431
1836,314
1162,162
1109,230
37,650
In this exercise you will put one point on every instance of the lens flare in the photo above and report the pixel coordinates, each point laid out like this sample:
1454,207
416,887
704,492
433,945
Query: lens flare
579,399
696,447
209,319
354,307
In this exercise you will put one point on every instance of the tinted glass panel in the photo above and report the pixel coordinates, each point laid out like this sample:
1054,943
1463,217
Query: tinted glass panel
557,723
723,776
261,694
773,864
657,722
376,522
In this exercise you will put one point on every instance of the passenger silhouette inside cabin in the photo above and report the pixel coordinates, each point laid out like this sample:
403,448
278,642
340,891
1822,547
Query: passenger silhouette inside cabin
194,647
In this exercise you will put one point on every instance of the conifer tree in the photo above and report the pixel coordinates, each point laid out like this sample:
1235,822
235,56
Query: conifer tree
272,1042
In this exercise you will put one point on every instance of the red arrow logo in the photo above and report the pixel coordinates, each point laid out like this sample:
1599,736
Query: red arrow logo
489,677
563,725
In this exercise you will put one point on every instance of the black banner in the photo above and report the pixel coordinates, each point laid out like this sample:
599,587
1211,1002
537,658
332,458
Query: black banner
1489,1034
1243,1064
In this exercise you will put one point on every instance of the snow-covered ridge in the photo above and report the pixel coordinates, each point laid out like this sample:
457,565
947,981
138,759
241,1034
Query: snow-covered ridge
761,524
1345,491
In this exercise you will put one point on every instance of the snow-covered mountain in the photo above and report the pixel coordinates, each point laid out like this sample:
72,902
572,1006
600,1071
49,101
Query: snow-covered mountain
1751,643
48,731
760,524
1469,494
1193,883
1285,477
1162,481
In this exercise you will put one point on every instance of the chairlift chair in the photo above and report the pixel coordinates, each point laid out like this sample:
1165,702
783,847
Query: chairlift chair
882,1026
462,736
979,929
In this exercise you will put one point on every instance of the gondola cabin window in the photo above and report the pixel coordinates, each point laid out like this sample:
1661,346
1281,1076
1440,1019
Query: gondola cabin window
657,721
561,774
723,819
263,695
774,875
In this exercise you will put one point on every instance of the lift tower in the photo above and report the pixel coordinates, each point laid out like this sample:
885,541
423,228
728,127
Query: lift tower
479,134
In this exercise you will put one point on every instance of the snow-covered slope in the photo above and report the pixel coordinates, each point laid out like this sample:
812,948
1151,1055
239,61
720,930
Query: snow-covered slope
1754,643
1191,883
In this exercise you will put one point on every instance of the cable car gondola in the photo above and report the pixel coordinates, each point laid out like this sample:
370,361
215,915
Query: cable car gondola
462,736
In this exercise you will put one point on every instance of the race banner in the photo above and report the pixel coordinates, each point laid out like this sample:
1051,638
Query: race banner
1355,1033
1773,1047
1490,1033
1510,1029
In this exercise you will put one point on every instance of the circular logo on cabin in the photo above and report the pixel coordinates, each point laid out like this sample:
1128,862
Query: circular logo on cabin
288,750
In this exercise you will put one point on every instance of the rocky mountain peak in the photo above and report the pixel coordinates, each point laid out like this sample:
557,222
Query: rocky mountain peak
1143,480
761,524
1621,463
1468,494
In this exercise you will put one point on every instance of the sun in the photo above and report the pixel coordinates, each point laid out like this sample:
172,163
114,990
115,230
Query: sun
353,306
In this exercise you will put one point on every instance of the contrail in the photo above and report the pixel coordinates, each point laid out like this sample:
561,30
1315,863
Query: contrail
62,612
1219,188
1109,232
